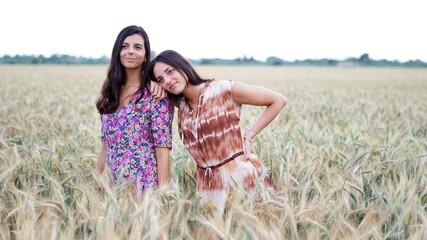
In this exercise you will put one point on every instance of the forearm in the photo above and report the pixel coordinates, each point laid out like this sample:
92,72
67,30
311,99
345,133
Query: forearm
267,116
102,158
273,101
163,165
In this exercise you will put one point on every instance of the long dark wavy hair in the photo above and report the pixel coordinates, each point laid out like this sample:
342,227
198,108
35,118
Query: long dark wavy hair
179,63
108,101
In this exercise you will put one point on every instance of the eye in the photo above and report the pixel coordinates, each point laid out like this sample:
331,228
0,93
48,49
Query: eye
170,71
160,80
124,46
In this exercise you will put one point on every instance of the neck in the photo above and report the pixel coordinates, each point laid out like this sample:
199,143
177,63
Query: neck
133,77
192,92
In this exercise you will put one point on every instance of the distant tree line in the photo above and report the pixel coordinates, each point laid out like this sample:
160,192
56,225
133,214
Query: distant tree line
363,60
54,59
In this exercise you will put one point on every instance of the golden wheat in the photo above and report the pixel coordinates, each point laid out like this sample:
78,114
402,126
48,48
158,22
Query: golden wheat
347,156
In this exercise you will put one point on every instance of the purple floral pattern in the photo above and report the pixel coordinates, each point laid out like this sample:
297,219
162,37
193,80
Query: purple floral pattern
131,134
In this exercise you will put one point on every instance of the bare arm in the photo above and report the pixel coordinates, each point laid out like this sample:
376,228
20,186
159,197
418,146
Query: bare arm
258,96
102,158
163,164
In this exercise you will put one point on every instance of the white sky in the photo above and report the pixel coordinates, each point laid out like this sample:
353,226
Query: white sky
288,29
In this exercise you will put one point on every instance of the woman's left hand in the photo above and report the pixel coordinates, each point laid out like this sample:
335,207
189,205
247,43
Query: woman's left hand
157,91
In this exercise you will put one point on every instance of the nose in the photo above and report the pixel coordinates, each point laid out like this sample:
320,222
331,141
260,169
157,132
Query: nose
167,80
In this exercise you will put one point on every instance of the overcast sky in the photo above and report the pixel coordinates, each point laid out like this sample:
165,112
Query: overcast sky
288,29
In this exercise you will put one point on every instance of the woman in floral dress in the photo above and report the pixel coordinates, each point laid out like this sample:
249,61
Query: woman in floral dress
136,129
210,127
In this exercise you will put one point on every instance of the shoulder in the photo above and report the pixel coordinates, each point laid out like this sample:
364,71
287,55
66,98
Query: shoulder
222,84
220,88
143,99
142,94
104,117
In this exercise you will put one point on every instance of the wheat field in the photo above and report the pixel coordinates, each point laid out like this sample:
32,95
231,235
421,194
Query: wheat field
347,157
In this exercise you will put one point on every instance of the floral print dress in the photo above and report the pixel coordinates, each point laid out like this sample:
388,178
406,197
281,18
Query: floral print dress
132,134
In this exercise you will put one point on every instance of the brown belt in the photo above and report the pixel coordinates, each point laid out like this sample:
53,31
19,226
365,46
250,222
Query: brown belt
223,162
208,176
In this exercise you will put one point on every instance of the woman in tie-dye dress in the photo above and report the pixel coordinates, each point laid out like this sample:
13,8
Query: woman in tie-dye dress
210,127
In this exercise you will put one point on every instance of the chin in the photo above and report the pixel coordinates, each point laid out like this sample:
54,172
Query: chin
174,92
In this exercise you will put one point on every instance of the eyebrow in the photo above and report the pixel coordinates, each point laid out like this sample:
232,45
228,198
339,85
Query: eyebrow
136,44
167,69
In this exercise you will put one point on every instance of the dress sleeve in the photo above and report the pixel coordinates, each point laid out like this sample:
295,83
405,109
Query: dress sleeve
161,122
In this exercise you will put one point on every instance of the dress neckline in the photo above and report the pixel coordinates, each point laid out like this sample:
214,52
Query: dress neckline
131,101
199,99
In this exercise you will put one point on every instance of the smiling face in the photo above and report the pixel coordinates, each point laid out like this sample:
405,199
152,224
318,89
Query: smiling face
169,78
133,52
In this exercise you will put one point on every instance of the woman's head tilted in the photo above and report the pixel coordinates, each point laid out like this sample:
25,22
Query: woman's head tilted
170,67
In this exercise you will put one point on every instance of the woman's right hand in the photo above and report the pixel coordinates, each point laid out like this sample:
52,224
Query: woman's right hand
157,91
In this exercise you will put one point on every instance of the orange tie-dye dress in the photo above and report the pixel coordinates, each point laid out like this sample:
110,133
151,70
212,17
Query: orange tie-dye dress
213,137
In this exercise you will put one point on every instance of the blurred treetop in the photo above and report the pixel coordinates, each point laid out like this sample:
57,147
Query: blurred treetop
363,60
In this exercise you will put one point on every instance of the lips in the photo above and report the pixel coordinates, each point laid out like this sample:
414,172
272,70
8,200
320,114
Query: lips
172,86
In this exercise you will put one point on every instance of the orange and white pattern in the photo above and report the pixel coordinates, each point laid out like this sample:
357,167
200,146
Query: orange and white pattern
214,139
